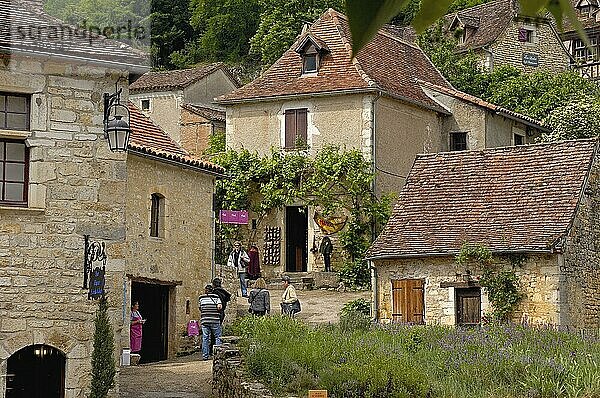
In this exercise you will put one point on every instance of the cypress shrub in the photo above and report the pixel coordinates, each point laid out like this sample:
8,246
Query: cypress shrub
103,363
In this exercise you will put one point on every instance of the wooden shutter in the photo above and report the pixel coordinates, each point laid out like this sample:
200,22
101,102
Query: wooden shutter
290,128
408,301
301,125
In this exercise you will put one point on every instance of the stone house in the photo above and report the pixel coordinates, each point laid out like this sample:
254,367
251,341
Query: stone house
390,103
500,35
59,183
584,60
539,202
181,102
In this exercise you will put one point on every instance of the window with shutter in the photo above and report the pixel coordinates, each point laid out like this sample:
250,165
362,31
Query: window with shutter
408,301
296,128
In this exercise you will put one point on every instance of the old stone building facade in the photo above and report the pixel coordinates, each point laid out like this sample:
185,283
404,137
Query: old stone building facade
537,202
584,60
181,102
390,103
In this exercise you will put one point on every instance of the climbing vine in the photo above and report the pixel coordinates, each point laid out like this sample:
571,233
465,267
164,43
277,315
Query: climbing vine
337,181
504,292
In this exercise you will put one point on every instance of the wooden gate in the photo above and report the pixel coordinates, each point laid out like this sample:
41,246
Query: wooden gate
408,300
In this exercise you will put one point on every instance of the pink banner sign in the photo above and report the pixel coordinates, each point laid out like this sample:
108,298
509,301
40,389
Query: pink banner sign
233,216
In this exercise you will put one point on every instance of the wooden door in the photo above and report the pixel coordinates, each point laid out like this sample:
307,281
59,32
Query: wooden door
468,306
408,300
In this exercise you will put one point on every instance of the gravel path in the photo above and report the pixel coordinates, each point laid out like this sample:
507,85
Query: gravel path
189,377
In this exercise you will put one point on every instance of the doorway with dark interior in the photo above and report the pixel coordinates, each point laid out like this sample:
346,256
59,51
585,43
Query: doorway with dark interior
36,371
154,307
296,238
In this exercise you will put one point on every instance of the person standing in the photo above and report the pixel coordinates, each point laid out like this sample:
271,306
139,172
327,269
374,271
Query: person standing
288,297
254,265
239,259
326,249
259,298
135,328
210,320
223,294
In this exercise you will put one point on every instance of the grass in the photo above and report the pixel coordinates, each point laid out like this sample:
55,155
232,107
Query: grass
355,359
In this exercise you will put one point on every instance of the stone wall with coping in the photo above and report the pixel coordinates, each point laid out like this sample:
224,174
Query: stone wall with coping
76,187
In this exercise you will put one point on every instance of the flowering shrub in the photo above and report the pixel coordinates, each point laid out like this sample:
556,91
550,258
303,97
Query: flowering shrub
421,361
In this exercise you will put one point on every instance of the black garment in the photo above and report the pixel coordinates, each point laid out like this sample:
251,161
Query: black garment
326,249
225,297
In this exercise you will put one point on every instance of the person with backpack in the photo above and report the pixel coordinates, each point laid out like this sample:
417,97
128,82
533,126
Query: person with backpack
259,298
209,305
223,294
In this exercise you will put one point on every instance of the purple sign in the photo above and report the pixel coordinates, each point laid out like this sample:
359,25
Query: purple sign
233,216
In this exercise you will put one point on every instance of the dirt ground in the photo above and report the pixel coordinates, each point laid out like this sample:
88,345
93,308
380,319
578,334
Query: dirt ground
189,377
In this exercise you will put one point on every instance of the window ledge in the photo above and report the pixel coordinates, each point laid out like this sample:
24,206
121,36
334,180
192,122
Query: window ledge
22,209
18,134
156,238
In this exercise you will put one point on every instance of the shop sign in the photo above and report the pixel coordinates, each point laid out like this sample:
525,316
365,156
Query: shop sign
531,59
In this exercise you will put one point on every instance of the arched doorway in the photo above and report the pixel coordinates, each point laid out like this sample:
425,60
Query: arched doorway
36,371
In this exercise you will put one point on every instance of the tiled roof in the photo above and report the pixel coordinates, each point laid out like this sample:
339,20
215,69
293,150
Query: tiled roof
386,64
587,20
174,79
491,19
509,199
42,39
484,104
208,112
148,138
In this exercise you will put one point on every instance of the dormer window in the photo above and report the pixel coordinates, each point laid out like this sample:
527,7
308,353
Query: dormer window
311,50
587,7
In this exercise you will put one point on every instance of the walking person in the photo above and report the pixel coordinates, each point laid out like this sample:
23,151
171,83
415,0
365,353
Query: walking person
135,328
223,294
289,297
210,320
239,259
259,298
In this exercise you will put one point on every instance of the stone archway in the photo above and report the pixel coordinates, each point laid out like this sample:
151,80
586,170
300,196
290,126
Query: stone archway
36,371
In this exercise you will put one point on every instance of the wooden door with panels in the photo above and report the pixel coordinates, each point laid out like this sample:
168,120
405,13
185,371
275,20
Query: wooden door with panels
468,306
408,301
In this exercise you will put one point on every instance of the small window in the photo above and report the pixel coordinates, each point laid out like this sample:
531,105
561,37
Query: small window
145,104
157,215
458,141
14,112
296,128
526,35
14,171
519,139
309,63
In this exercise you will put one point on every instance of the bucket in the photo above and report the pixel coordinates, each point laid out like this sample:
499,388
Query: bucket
126,357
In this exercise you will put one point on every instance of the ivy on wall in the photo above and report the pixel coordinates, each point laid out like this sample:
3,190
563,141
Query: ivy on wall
502,285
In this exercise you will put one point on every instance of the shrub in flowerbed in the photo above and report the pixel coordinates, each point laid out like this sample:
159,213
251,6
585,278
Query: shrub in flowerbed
420,361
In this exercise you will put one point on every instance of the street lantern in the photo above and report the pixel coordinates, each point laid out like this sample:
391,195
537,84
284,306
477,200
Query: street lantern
116,128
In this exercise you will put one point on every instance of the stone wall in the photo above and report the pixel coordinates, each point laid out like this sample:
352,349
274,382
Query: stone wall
581,260
196,130
76,187
165,110
547,46
539,278
229,379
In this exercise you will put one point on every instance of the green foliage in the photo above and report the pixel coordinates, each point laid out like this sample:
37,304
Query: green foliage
336,181
103,362
356,274
171,30
577,119
281,22
503,292
477,253
413,361
216,143
359,305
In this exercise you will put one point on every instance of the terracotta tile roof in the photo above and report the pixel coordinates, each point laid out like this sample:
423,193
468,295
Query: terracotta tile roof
484,104
18,16
174,79
208,112
149,139
386,64
488,19
510,199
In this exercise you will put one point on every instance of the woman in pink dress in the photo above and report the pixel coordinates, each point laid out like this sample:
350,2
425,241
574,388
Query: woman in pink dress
135,330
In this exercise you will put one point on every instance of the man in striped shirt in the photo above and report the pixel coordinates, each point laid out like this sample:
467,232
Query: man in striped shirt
210,306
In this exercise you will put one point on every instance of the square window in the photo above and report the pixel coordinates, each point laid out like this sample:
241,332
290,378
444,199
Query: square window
519,139
458,141
14,112
14,172
526,35
145,104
